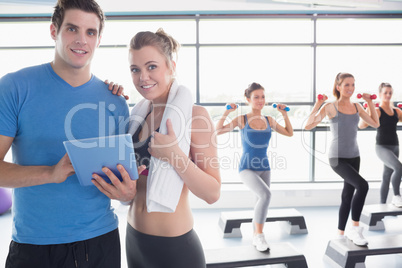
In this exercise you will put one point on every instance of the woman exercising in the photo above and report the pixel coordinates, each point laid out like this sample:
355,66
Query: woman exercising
344,156
254,168
387,144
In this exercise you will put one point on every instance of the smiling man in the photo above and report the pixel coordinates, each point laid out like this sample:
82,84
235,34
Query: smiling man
57,222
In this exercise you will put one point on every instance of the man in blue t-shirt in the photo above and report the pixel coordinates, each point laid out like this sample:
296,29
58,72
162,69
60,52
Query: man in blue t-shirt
57,222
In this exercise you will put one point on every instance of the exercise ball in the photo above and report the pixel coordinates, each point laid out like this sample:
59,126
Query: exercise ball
5,200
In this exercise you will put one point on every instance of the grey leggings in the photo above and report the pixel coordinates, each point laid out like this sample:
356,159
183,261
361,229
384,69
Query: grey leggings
389,154
150,251
259,182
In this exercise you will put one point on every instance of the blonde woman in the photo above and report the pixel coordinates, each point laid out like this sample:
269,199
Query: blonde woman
344,156
161,239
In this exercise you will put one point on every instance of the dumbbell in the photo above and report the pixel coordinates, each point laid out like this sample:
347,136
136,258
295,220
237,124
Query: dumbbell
399,105
365,105
373,97
320,96
228,107
287,109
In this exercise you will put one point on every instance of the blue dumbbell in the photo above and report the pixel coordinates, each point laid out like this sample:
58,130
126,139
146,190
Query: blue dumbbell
230,107
287,109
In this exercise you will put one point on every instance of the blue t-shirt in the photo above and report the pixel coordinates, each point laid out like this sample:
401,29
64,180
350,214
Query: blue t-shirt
255,144
40,110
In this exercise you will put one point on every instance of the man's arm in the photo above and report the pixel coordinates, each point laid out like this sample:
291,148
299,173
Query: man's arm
15,176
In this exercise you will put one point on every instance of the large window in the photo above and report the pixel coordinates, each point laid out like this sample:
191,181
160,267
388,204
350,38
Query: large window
293,57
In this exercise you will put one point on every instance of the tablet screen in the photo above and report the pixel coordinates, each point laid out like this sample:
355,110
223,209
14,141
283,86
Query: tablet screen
89,156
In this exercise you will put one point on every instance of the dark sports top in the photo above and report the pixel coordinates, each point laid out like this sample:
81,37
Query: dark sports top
142,156
255,144
386,132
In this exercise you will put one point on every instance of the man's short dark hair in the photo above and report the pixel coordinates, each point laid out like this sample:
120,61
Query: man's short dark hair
90,6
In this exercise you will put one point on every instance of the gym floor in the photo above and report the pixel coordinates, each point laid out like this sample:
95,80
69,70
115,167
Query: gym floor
321,223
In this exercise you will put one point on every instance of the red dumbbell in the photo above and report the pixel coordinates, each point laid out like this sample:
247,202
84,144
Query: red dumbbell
399,105
320,96
373,97
365,105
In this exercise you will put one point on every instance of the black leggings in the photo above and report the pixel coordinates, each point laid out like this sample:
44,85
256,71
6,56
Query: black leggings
149,251
348,169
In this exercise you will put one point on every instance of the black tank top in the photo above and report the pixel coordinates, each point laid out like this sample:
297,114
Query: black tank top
386,132
142,156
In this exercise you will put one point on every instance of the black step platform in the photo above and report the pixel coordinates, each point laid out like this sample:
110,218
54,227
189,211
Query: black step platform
372,215
343,253
279,253
229,222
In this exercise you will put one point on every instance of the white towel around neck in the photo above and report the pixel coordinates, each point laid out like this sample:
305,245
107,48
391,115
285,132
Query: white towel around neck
164,185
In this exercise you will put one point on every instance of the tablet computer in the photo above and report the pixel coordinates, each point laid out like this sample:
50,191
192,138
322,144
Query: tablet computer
89,156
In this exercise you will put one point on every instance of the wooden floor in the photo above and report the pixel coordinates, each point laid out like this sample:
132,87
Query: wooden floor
321,223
